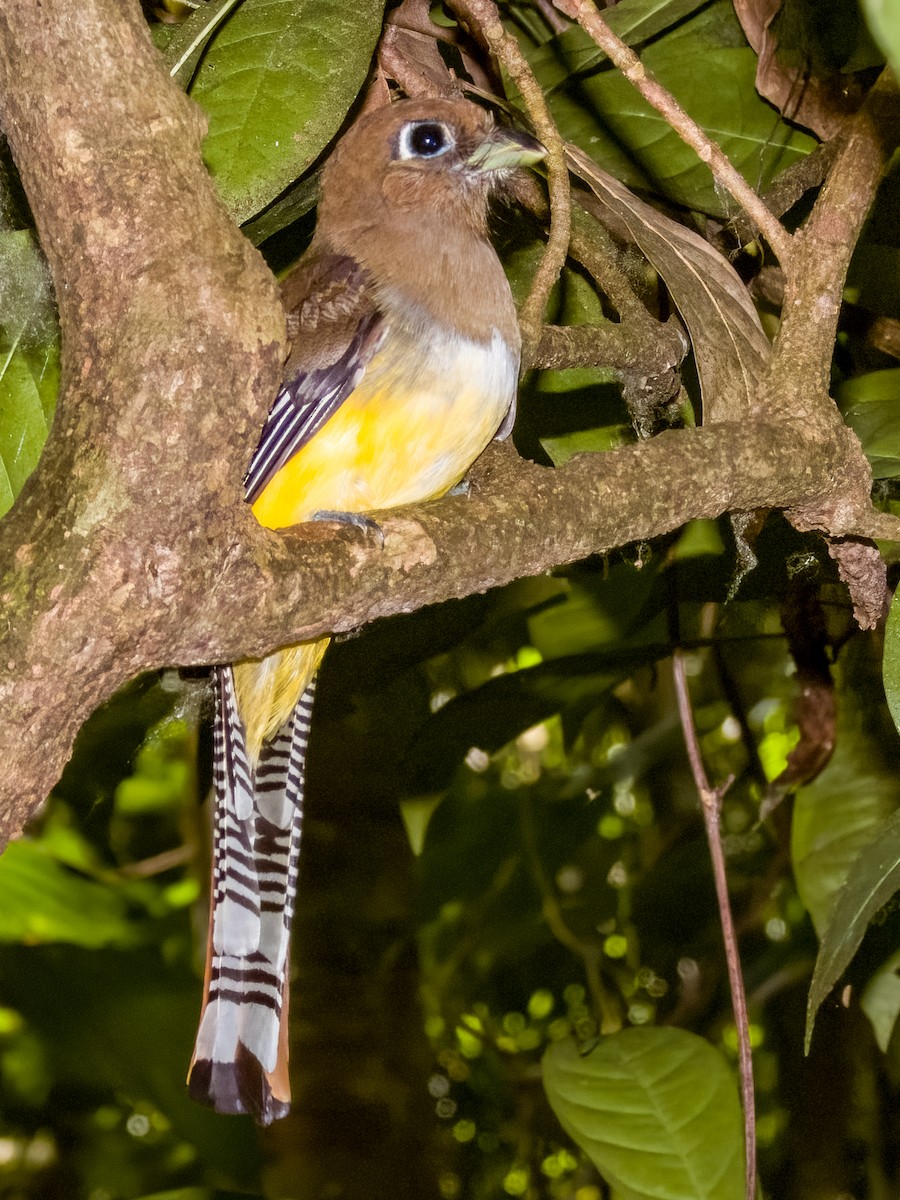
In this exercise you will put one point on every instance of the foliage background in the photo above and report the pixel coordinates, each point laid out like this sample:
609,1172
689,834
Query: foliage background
503,844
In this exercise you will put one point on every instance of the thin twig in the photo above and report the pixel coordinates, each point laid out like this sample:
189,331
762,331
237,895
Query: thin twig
178,856
588,17
483,16
788,187
711,803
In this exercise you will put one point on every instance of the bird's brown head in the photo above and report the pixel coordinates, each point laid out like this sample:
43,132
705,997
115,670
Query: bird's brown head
405,194
417,156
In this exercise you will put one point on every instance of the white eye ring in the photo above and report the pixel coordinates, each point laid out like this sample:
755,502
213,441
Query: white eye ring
416,135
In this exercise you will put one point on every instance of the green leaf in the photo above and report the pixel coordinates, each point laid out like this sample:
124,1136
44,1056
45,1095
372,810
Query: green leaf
499,710
655,1109
162,777
699,539
605,615
636,21
870,404
581,441
872,880
276,83
835,816
23,423
891,662
29,360
190,1193
185,43
708,67
45,901
880,1001
296,202
417,812
883,17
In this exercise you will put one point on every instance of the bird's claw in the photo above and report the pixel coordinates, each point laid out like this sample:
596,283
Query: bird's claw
357,520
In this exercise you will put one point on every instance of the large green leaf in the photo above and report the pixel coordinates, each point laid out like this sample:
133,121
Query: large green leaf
189,1194
880,1001
594,616
636,21
276,83
182,46
45,901
870,407
835,817
883,17
29,360
709,68
586,441
655,1109
493,714
872,880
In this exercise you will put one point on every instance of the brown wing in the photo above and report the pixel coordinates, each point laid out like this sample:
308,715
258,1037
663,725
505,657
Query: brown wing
338,329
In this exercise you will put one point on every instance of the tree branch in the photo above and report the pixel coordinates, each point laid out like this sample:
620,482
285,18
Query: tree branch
172,344
801,367
484,17
246,590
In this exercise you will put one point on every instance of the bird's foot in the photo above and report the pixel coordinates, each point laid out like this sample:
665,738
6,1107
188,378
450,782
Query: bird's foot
357,520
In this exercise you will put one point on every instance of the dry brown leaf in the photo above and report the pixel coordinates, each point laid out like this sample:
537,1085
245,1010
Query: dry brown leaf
815,705
730,347
820,103
815,711
409,53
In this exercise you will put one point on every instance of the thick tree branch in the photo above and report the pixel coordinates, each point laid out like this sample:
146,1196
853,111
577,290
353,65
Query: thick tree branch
799,379
649,349
172,344
252,590
521,519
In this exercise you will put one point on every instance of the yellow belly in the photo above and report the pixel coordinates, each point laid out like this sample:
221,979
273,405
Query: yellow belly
402,436
408,433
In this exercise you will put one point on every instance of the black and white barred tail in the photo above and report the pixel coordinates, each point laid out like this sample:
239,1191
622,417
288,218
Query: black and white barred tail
240,1055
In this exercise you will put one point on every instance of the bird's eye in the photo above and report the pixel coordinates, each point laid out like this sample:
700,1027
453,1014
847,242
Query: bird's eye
425,139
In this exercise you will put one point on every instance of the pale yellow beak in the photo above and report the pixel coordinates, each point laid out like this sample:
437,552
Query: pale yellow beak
505,148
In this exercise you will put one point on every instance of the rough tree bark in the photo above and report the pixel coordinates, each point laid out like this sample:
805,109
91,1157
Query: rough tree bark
130,547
